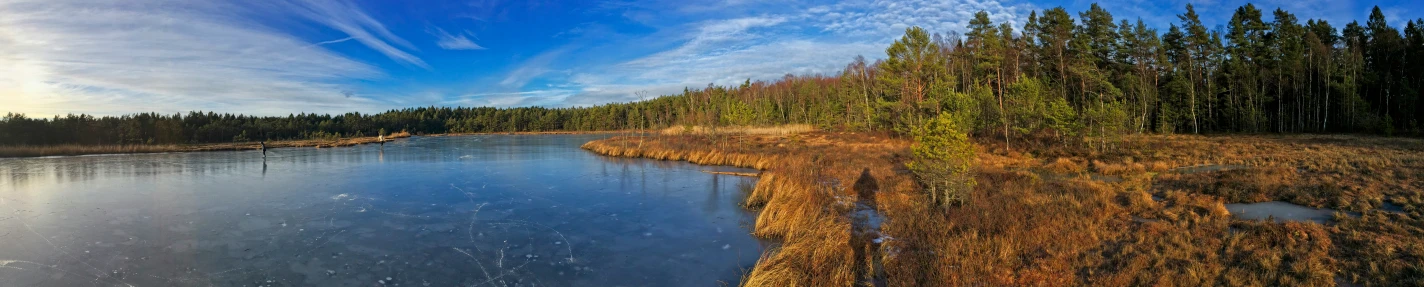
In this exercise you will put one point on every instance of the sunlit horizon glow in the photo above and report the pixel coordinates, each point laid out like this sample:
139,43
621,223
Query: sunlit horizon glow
279,57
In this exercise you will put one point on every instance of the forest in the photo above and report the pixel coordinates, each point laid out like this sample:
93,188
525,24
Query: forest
1090,76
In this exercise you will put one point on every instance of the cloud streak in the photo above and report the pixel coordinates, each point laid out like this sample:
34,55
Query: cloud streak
60,57
348,18
454,42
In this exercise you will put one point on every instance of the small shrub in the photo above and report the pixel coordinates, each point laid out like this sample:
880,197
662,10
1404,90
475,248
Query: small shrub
942,157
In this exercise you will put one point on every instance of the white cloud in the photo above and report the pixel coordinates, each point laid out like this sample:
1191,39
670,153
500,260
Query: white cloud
454,42
103,57
713,37
350,19
882,18
763,61
767,47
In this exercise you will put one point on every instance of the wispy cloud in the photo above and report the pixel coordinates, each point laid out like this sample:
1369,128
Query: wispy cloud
728,51
346,17
60,56
333,41
551,97
532,68
454,42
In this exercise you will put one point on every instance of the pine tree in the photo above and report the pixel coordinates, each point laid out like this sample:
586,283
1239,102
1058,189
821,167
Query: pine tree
942,158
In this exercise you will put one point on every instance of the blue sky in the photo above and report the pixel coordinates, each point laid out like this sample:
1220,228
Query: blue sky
274,57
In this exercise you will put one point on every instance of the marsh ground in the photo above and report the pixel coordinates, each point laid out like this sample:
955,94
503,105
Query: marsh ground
1148,210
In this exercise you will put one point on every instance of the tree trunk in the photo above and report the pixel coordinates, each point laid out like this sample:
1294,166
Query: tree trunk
1003,115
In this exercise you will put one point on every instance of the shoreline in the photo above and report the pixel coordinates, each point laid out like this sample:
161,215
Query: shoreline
824,239
126,149
542,133
78,150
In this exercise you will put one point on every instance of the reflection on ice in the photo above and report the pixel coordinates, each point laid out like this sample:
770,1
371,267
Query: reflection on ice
438,211
1279,210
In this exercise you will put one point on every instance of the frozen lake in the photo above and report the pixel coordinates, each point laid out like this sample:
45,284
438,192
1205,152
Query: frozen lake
497,210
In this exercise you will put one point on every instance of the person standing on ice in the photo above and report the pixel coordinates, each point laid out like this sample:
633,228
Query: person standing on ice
264,147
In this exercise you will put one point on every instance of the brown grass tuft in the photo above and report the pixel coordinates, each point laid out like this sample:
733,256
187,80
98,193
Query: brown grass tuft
1066,166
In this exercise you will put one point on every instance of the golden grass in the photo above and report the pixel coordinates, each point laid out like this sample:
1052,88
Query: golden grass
1066,166
1348,173
1099,226
746,174
739,130
396,135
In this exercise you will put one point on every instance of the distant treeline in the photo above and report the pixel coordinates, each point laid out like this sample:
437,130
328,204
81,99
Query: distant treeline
1086,76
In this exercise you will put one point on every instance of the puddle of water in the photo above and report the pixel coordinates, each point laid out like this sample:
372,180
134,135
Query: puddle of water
1391,207
1281,211
1206,168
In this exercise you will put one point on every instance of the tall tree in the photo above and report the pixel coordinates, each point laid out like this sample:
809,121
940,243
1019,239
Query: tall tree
1414,75
987,48
1200,46
1055,31
1383,59
1285,43
911,69
1247,50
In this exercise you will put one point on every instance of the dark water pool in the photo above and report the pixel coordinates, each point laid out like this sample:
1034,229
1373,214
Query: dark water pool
426,211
